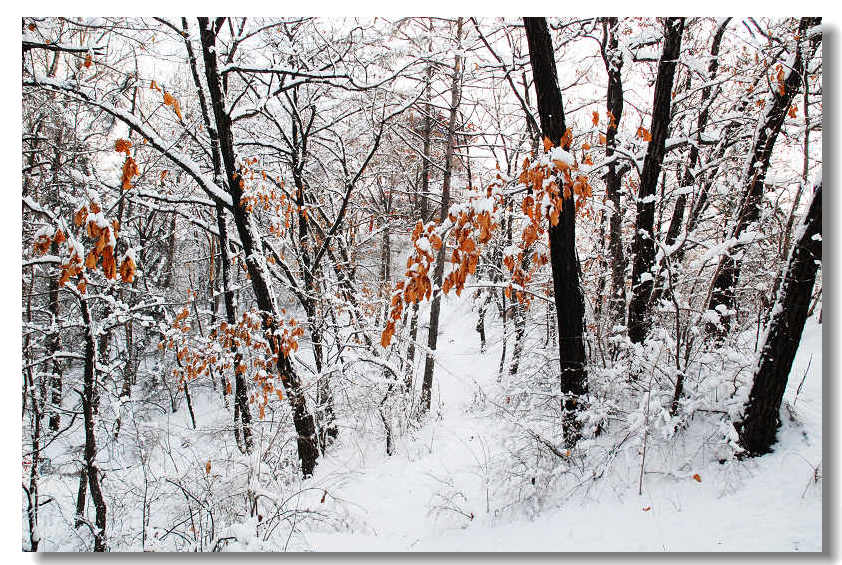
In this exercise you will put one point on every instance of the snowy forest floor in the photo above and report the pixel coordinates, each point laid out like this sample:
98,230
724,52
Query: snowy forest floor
448,486
422,497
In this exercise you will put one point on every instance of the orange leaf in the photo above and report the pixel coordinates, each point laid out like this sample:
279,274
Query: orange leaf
127,270
596,118
122,146
697,478
208,467
647,509
42,244
88,61
547,144
567,139
109,266
81,216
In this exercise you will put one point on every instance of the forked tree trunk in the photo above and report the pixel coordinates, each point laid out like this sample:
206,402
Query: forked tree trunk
305,427
678,214
762,410
242,412
569,299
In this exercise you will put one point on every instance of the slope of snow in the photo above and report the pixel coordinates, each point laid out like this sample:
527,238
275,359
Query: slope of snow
432,495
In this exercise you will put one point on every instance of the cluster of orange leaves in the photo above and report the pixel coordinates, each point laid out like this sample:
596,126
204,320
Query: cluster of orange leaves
101,249
417,285
644,134
574,189
129,165
781,78
470,229
270,200
199,356
169,99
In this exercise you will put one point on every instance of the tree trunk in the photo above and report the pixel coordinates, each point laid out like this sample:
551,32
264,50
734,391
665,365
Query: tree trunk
643,245
308,451
81,496
677,218
569,300
427,136
242,412
613,60
754,176
54,346
783,334
88,398
438,273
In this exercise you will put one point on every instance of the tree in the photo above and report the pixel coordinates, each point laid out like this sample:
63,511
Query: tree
761,417
643,245
435,308
789,79
569,299
612,57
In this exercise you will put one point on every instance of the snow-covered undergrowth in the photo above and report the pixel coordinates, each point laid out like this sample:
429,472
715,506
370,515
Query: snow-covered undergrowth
486,470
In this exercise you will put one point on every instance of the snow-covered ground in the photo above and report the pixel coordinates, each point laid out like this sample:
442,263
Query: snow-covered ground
422,498
445,488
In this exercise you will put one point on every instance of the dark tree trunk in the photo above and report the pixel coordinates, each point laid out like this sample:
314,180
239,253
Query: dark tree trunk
410,350
762,410
569,300
754,179
427,136
308,451
242,412
438,273
613,60
81,496
643,245
54,340
34,470
54,346
520,319
89,386
677,218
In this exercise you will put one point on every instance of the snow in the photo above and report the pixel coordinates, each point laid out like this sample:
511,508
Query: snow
421,498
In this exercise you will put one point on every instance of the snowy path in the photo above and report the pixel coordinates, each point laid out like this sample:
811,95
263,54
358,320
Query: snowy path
422,497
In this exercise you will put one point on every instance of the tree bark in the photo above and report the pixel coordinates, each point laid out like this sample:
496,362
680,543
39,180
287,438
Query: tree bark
438,273
88,399
722,293
643,245
308,451
761,419
569,299
613,60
